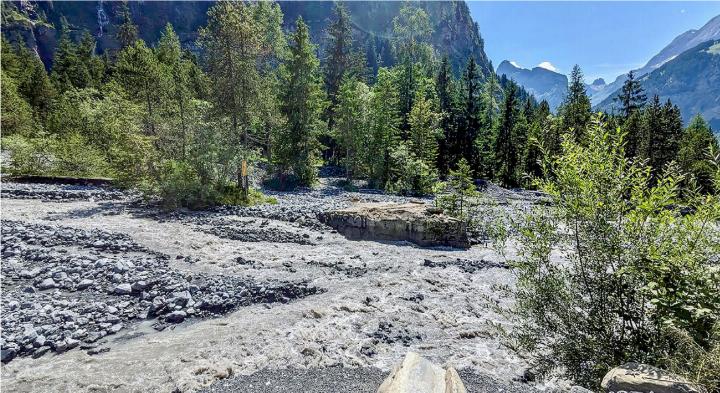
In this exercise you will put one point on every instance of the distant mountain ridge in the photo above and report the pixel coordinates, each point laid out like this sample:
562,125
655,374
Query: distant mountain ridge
690,80
687,40
544,84
37,23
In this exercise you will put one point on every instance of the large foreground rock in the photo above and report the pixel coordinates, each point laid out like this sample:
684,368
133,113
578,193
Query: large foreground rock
415,222
635,377
418,375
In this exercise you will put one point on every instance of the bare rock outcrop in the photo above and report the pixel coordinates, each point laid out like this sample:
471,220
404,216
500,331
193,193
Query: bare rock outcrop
418,223
636,377
418,375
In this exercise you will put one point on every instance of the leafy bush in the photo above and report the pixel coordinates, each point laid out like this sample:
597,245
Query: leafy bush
614,265
409,174
457,195
70,155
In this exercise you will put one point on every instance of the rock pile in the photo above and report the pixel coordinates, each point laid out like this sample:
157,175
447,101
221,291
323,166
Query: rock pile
65,288
60,192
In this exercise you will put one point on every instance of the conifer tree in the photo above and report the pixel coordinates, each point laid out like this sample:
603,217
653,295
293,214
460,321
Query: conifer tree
127,32
540,141
384,126
302,103
485,141
169,53
695,147
456,198
576,109
424,131
506,148
139,72
234,40
352,126
470,125
632,95
338,57
411,43
444,90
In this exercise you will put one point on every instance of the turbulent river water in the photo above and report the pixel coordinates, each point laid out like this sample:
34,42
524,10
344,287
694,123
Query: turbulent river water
368,303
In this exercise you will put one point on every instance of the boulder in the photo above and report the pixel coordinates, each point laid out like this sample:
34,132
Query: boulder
418,375
413,222
636,377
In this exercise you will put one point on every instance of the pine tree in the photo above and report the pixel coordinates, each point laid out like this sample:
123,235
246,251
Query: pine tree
411,43
470,125
651,132
672,130
576,109
352,126
371,59
456,198
338,57
485,141
696,144
384,127
127,32
541,141
139,72
233,43
302,103
506,148
632,96
170,55
444,89
424,131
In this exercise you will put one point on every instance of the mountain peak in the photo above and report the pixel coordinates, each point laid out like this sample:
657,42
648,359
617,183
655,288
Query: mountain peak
598,82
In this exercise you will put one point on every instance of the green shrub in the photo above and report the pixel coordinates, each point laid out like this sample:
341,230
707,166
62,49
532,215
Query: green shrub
614,265
409,174
26,156
74,156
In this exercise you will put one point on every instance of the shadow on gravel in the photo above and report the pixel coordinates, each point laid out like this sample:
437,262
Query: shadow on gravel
341,379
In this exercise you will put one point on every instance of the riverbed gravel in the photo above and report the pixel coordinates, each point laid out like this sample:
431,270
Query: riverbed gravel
132,298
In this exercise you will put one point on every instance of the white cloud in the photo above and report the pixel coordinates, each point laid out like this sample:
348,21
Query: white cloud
682,11
548,66
514,63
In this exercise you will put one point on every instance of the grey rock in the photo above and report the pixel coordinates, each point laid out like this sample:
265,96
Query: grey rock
176,316
123,289
636,377
85,284
139,286
47,284
8,354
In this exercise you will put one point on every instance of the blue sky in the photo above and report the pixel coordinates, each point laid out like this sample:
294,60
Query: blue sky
605,38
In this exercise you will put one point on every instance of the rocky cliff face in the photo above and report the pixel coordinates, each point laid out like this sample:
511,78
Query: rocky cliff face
37,23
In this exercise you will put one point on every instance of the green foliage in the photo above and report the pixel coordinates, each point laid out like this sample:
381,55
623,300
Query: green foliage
507,143
352,119
384,127
17,116
575,109
302,103
632,96
614,264
456,195
697,147
409,175
424,132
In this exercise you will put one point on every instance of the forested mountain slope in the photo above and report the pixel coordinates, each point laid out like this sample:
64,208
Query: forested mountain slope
38,23
690,80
